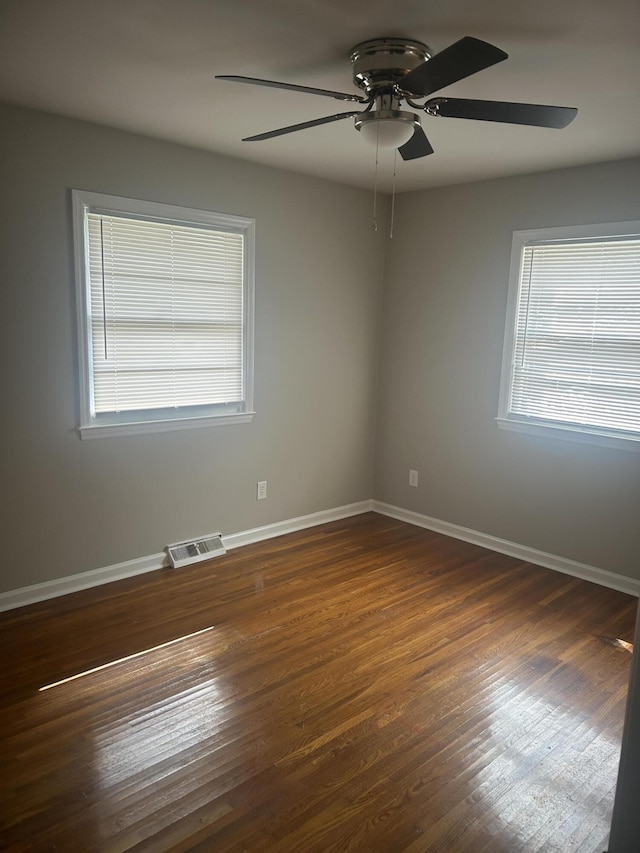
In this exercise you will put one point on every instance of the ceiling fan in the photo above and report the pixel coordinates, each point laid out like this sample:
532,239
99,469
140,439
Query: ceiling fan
393,70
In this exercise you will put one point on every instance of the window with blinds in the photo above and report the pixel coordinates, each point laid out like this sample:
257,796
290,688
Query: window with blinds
572,344
165,297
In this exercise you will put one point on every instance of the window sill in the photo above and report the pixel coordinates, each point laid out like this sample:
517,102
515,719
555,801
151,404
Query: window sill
566,432
142,427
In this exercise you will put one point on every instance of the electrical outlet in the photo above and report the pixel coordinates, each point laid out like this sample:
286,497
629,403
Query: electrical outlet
413,478
261,490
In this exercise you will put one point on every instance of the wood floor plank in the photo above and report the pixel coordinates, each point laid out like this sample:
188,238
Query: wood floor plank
361,686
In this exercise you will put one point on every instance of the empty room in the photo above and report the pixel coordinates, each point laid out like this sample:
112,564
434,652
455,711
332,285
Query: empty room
321,384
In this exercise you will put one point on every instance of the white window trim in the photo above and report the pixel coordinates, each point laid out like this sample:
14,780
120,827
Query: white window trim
82,202
552,429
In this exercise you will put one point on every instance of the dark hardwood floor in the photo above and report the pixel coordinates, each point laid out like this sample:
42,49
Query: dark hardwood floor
362,686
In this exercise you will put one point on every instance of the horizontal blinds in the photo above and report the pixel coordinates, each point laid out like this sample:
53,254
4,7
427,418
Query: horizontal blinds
166,304
577,337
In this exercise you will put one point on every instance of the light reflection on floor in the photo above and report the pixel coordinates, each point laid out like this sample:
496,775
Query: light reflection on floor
527,788
123,659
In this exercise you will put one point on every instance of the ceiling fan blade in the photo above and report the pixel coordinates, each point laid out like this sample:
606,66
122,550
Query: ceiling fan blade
536,115
329,93
417,146
461,59
292,128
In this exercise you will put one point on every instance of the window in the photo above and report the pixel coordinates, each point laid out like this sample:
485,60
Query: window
571,362
165,315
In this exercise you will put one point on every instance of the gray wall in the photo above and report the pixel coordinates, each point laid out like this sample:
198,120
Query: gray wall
444,311
70,505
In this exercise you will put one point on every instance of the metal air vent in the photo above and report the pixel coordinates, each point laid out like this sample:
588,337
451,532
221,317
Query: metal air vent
195,550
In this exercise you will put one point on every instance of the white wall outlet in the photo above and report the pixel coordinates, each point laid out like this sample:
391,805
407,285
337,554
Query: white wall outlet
413,478
261,490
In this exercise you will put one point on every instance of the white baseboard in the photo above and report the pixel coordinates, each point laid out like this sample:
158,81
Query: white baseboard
97,577
291,525
512,549
84,580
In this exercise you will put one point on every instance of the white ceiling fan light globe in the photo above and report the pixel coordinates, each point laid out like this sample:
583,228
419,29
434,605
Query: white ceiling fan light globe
387,128
387,132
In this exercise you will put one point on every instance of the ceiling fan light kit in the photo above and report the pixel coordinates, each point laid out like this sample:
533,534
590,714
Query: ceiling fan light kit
387,128
391,71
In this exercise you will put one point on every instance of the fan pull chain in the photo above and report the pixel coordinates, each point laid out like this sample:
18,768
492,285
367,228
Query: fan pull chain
375,182
393,194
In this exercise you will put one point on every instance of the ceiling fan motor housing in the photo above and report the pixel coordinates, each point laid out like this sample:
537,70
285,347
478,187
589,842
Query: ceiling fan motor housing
380,63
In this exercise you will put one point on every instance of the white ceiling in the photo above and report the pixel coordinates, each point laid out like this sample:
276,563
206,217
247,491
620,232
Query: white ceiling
148,66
